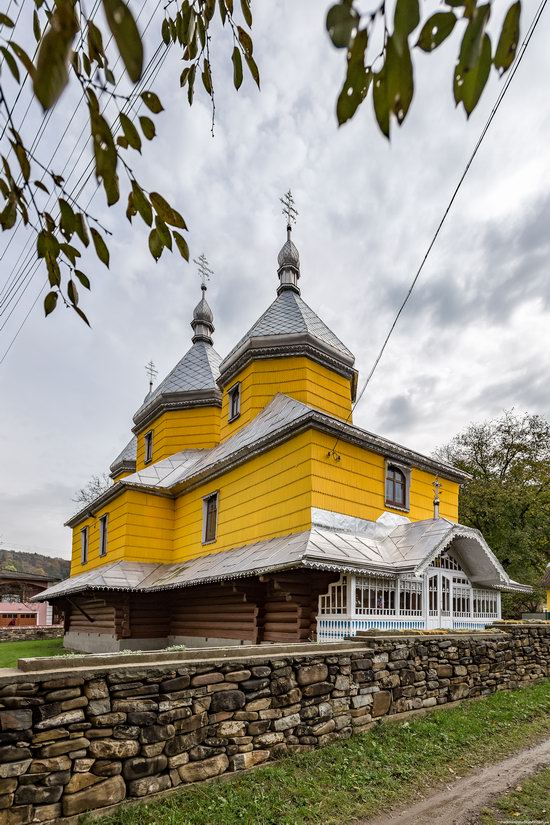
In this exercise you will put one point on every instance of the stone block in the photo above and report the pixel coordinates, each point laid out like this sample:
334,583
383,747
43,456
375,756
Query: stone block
157,733
258,704
362,700
183,742
231,728
64,746
13,753
62,695
37,794
178,760
98,706
14,769
207,679
191,723
179,683
108,792
243,761
79,781
106,767
198,771
240,675
8,785
65,718
228,700
381,702
286,722
83,765
309,674
47,813
141,766
96,689
15,719
444,671
142,718
149,785
154,749
113,748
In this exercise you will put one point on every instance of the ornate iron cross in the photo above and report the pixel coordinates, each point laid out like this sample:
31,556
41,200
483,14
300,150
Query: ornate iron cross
152,372
289,210
204,270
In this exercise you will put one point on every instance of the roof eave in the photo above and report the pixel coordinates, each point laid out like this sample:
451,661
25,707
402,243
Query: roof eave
176,401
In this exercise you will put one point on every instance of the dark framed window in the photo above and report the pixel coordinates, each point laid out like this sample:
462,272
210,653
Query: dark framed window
396,486
149,446
234,402
84,545
103,522
210,518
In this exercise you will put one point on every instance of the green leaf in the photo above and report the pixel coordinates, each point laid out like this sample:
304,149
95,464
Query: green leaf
206,77
6,21
470,48
155,244
130,132
95,43
247,13
237,67
147,127
70,252
81,229
72,292
435,30
43,187
105,154
100,247
342,20
164,232
54,273
22,158
252,68
141,203
357,82
406,19
152,102
23,57
380,101
68,220
51,75
81,315
127,37
181,243
165,32
509,38
8,215
245,40
399,74
84,280
36,29
12,65
46,244
476,79
166,212
50,302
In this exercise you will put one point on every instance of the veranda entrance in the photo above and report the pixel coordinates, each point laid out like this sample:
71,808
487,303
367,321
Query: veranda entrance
440,586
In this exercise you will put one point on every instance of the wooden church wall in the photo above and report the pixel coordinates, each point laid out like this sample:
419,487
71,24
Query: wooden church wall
224,611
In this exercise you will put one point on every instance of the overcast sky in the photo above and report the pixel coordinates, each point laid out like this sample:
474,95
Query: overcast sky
473,340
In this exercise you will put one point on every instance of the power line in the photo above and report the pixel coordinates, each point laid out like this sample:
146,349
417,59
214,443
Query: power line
509,78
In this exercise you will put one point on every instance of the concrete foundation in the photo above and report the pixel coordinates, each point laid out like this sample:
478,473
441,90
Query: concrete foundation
107,643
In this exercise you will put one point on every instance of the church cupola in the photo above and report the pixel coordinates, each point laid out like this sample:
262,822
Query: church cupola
289,257
203,319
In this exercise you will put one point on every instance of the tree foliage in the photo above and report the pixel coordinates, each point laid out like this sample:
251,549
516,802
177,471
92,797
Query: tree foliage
508,498
73,47
95,486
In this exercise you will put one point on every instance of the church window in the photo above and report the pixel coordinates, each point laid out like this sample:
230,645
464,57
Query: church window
396,487
84,545
103,535
234,402
210,518
149,446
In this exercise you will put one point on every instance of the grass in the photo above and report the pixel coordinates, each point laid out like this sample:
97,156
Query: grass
363,775
529,802
10,652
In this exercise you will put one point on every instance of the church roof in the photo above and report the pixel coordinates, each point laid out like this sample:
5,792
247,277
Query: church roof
287,317
126,459
378,548
195,375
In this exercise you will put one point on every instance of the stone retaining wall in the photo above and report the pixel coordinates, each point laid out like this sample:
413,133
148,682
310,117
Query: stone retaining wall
29,634
83,739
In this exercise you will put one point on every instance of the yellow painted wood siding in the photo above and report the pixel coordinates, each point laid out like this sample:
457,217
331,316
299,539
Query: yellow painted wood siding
268,496
355,485
140,528
176,430
300,378
121,475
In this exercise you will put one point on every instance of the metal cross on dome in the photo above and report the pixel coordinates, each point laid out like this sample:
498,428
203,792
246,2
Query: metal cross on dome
152,372
289,210
437,485
204,269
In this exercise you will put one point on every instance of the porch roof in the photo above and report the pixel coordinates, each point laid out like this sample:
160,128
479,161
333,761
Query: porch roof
376,548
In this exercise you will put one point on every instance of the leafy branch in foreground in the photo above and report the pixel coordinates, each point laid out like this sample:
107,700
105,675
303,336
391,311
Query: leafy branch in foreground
387,66
72,46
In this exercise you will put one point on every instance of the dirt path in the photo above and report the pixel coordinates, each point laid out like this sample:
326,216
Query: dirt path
460,802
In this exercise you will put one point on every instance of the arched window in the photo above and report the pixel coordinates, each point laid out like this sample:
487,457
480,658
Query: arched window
396,486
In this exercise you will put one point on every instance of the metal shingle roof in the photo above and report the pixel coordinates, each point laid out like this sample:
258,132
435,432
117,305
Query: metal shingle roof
290,315
199,369
127,456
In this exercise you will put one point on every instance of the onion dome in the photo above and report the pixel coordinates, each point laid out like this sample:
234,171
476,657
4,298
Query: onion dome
289,265
203,320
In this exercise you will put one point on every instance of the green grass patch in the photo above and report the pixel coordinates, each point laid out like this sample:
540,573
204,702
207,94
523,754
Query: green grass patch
363,775
10,652
529,802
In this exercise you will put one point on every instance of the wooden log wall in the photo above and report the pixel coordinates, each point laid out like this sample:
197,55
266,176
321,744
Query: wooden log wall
228,610
291,604
100,618
149,615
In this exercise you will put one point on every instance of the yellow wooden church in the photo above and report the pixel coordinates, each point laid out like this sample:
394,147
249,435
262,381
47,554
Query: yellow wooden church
248,508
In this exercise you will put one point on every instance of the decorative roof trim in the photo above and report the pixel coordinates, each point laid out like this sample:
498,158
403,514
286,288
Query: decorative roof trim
176,401
462,532
122,467
277,346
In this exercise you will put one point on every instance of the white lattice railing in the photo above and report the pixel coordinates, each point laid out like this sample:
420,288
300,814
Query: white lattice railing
472,624
332,629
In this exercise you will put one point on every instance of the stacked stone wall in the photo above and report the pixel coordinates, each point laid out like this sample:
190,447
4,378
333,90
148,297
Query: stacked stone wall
29,634
84,739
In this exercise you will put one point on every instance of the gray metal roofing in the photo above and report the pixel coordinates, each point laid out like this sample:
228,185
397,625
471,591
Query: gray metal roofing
290,315
127,455
199,369
403,549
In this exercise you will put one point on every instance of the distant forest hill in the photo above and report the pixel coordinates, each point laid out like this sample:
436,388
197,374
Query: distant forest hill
16,561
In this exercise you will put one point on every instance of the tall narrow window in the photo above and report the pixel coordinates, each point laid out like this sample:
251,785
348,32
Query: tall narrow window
396,487
149,446
234,402
210,518
84,545
103,535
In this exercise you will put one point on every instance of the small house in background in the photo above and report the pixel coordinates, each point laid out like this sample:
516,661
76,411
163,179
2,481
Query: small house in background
23,576
248,508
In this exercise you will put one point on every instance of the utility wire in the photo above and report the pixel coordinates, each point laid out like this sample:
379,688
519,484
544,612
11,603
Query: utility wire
509,78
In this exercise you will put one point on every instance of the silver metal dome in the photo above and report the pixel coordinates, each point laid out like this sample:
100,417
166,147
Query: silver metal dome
202,311
289,256
203,320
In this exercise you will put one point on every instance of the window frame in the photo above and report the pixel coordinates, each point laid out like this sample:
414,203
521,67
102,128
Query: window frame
148,451
234,393
406,473
84,544
103,534
215,496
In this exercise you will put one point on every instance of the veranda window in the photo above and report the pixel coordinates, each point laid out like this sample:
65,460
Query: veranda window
410,597
375,596
485,603
461,598
336,600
